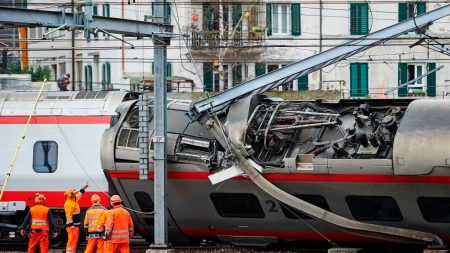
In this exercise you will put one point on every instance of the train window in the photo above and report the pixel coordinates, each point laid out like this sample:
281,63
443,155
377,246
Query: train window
144,201
316,200
374,208
45,156
435,209
237,205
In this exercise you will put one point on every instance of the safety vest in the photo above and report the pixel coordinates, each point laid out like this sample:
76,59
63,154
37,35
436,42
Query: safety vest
119,224
95,219
39,217
73,215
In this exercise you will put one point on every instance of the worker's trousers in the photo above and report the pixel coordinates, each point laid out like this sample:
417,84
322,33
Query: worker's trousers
92,242
111,247
38,238
72,239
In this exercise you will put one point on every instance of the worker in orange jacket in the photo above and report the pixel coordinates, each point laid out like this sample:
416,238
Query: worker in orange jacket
73,217
94,225
118,227
42,223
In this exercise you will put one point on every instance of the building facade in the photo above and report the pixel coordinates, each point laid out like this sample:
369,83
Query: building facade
230,43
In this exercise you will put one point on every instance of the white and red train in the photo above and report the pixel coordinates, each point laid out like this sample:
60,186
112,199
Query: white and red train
61,148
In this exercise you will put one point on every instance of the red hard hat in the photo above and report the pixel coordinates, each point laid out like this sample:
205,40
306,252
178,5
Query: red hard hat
95,198
39,198
115,199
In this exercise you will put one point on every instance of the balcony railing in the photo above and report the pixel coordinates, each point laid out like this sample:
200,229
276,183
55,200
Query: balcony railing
201,40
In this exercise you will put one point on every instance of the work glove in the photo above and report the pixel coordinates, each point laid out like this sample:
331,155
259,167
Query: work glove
107,236
131,235
23,232
54,235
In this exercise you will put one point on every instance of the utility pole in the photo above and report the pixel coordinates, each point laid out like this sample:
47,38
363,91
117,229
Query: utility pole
320,42
73,50
160,153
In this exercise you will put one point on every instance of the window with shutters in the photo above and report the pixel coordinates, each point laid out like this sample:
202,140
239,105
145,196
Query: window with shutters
260,69
359,18
407,10
359,79
286,86
409,73
283,19
106,10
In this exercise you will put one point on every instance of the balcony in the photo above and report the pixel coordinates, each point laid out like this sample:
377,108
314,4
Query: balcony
210,40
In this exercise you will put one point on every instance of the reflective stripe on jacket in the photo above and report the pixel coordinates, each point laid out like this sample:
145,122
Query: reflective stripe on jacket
39,217
119,224
94,221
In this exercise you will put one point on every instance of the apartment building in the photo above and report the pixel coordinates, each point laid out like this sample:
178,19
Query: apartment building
230,43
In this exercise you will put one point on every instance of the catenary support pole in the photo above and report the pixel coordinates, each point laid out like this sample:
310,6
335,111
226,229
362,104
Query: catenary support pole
160,137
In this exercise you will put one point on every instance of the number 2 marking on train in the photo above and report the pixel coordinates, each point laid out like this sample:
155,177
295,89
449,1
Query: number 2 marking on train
273,206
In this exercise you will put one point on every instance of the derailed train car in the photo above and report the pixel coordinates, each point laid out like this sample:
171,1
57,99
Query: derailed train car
381,162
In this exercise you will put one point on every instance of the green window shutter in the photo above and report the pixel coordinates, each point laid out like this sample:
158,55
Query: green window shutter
237,14
88,77
237,75
363,19
153,69
208,76
103,76
421,8
168,11
260,68
364,79
108,73
106,12
207,20
295,19
169,69
303,83
359,18
431,81
95,10
353,19
354,79
269,19
153,9
402,78
402,11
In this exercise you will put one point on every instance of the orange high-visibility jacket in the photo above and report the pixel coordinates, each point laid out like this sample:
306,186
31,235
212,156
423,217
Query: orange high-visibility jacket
72,210
40,217
119,224
94,221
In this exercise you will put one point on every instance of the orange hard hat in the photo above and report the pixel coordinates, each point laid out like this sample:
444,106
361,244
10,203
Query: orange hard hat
95,198
70,192
39,198
115,199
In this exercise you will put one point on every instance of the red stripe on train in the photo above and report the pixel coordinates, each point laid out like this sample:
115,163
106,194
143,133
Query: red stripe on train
300,177
288,235
45,120
52,198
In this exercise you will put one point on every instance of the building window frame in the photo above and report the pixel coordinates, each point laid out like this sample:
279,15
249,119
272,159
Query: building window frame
279,16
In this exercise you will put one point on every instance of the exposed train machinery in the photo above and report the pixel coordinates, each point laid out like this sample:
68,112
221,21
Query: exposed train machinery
373,168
